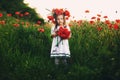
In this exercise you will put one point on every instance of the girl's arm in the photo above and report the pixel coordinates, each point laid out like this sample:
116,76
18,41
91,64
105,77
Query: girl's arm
53,33
70,32
69,36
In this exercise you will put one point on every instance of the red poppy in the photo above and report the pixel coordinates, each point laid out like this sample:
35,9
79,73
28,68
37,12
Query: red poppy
26,13
67,13
99,28
64,33
93,17
16,25
115,26
98,19
21,15
79,22
70,24
87,11
2,22
9,15
98,15
58,11
50,17
17,13
92,22
105,17
1,14
66,18
38,22
107,22
41,30
110,26
117,20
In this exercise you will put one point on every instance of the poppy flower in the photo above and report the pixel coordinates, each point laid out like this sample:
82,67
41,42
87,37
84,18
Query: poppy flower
87,11
41,30
64,33
1,14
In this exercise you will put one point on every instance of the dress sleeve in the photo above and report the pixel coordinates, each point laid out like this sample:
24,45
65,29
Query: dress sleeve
52,30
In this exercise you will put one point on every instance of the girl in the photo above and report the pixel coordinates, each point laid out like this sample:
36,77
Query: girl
60,47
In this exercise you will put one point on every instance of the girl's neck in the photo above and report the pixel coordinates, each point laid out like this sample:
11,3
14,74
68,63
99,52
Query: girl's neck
61,25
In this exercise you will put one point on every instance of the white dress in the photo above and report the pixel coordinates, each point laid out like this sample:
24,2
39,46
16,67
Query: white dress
62,50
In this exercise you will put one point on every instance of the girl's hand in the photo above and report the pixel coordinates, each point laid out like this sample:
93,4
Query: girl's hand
53,35
56,31
69,37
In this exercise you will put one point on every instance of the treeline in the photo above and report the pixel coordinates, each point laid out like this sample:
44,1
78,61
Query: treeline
11,6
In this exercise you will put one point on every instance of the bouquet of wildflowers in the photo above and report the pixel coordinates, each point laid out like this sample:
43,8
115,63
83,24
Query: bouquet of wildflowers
64,33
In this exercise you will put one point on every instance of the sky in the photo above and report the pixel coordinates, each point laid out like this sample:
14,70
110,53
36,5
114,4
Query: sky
77,8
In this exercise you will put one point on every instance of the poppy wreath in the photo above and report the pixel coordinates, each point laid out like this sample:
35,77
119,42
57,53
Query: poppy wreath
57,11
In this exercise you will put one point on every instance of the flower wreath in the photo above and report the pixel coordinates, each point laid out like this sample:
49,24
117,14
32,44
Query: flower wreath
57,11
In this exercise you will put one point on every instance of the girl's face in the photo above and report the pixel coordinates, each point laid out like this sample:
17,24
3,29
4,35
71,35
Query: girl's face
60,20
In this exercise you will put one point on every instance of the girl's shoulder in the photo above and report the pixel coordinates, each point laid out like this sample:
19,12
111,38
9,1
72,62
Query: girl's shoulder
68,27
52,27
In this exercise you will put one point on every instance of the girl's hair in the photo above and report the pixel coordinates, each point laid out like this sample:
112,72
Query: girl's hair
56,23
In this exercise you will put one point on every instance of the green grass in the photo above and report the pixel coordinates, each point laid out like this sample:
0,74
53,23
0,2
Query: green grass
25,53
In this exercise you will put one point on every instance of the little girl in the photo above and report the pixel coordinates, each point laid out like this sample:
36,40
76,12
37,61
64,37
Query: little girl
60,47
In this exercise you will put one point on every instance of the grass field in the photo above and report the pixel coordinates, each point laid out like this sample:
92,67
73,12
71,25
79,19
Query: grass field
25,51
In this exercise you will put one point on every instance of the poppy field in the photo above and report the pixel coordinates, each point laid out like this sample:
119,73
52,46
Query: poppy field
25,50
